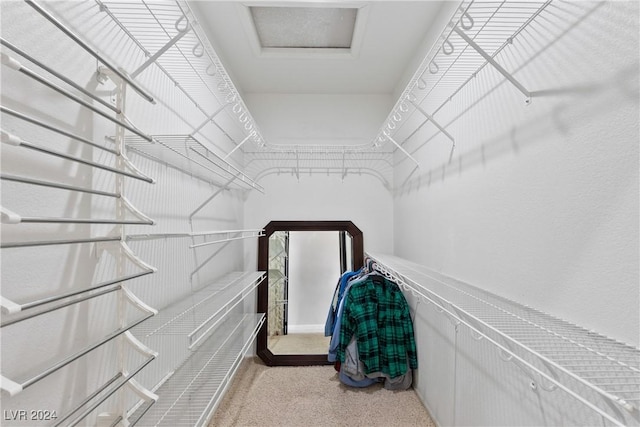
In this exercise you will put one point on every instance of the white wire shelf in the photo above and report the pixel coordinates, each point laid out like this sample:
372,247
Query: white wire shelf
301,160
171,38
191,319
192,394
474,39
557,353
188,154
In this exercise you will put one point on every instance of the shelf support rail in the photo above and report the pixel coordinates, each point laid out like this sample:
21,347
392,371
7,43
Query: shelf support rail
160,51
89,50
494,63
430,118
420,290
387,134
206,261
210,198
252,133
209,119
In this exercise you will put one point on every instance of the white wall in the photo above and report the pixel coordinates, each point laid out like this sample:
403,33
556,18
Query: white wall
540,205
310,119
360,199
314,269
318,118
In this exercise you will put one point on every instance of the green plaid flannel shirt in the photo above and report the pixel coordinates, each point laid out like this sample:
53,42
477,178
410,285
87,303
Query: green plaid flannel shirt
377,312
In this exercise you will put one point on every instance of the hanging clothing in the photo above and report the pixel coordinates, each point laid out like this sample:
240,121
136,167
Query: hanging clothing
335,334
378,314
329,325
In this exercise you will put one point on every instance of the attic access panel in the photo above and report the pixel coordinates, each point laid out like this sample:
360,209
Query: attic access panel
304,27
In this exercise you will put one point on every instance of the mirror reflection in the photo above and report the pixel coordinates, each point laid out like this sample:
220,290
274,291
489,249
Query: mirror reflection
304,267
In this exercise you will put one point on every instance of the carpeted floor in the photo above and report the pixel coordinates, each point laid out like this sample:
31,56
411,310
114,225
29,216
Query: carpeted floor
299,344
312,396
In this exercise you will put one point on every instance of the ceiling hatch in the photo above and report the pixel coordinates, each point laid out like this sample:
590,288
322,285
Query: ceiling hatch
294,28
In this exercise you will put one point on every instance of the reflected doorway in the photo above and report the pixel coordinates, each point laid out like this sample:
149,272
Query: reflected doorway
303,261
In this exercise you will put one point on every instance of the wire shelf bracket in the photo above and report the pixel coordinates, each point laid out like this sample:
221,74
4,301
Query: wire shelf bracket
495,64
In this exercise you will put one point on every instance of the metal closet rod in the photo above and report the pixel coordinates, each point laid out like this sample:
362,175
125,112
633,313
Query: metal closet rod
8,138
12,63
48,300
18,219
55,129
120,382
81,353
51,184
66,304
65,79
58,242
91,51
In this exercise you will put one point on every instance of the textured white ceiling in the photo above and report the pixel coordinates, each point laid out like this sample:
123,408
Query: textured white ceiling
304,27
389,38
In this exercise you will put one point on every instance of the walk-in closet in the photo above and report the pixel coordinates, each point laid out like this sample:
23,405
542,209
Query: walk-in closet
430,208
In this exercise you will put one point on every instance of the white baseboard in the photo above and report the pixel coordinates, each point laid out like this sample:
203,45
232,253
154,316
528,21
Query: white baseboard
305,329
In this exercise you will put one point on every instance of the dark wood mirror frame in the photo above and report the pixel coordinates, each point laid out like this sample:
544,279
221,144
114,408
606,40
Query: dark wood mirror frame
263,288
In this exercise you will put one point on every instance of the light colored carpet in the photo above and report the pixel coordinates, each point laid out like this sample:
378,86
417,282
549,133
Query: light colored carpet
299,344
312,396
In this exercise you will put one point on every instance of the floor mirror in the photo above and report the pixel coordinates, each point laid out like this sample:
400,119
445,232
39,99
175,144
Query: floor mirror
303,261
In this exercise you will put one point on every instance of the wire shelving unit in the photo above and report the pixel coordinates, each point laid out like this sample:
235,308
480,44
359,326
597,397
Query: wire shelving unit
190,155
555,353
190,320
193,392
